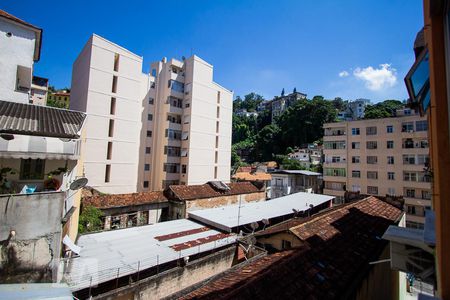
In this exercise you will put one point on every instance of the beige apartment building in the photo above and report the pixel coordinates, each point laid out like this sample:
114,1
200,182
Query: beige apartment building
145,132
380,157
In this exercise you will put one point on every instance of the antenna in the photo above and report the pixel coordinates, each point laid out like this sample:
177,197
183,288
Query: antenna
78,183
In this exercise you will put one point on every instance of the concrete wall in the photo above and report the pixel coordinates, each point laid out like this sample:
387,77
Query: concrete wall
96,63
15,50
176,279
31,254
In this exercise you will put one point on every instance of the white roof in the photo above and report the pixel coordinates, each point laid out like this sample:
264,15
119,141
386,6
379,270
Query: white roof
302,172
103,253
226,217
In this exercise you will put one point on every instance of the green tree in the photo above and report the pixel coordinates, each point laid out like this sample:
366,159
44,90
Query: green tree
90,219
267,143
383,109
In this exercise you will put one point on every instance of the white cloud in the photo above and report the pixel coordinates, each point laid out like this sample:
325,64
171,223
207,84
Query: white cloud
377,79
343,74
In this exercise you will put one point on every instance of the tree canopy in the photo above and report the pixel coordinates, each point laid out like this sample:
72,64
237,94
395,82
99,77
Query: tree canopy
383,109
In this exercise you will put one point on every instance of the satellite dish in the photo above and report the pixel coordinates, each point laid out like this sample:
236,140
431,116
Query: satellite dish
78,183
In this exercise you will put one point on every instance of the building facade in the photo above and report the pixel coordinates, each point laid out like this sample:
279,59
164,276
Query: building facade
285,182
280,104
39,90
148,131
380,157
21,48
59,98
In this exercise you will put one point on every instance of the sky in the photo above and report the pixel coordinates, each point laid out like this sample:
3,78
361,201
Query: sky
334,48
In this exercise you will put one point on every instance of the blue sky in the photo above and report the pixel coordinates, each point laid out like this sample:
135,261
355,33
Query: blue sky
352,49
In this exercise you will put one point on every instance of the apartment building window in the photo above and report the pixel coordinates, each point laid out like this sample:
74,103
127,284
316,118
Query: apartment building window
146,167
145,184
371,130
218,97
171,168
423,144
389,129
355,131
391,191
112,108
187,119
111,128
356,174
390,144
411,209
149,117
372,175
109,151
172,151
183,169
216,157
151,100
217,127
336,159
176,86
335,172
391,176
355,145
107,173
390,160
149,133
116,62
423,159
371,145
218,111
411,193
215,172
176,119
334,145
152,85
372,160
114,84
187,105
31,169
173,134
426,195
356,188
184,152
422,125
372,190
185,136
408,127
355,159
217,141
148,150
409,176
176,102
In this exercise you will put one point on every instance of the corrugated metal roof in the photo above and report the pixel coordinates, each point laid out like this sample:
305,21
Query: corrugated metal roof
301,172
226,218
27,119
102,254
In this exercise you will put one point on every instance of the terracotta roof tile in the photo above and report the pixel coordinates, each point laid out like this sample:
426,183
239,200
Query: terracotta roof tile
337,248
248,176
192,192
119,200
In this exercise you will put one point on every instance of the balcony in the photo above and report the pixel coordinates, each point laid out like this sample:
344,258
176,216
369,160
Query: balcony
175,105
334,132
417,201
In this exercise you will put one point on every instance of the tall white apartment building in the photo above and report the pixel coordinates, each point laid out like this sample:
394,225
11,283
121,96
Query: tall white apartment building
147,131
380,157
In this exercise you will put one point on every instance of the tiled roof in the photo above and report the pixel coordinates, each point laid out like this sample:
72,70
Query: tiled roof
27,119
192,192
248,176
120,200
337,248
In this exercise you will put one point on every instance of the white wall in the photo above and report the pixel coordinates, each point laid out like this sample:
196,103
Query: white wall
15,50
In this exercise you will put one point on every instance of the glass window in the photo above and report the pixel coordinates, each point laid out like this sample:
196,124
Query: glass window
389,129
150,117
334,145
371,130
372,190
355,131
356,174
355,159
391,175
149,133
391,191
176,86
390,160
371,145
151,100
421,125
372,175
32,169
411,193
334,172
145,184
147,167
390,144
147,150
372,160
408,127
355,145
